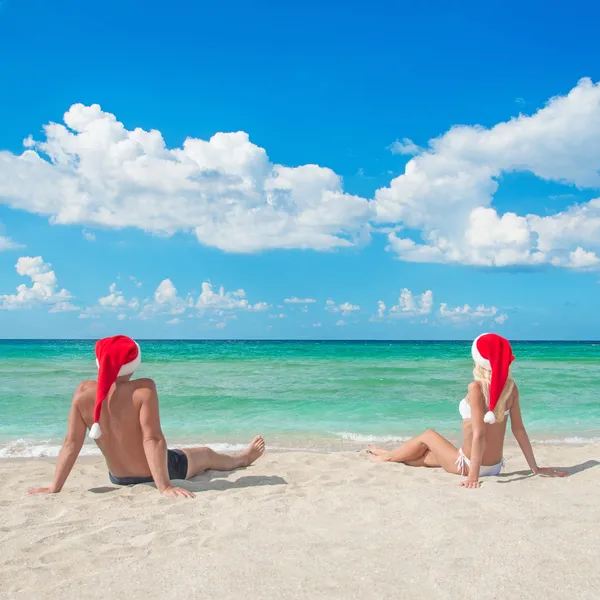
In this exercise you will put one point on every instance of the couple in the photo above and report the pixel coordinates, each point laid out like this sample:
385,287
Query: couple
123,418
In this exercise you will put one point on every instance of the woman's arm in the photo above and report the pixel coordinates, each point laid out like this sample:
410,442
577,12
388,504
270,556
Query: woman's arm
70,450
477,404
518,429
155,445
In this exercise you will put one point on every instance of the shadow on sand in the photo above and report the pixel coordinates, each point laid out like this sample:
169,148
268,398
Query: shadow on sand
520,475
213,480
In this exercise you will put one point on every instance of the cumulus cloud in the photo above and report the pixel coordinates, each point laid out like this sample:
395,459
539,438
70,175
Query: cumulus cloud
317,324
94,171
446,191
5,242
43,290
462,314
89,236
345,308
406,146
174,321
340,323
113,302
294,300
409,305
211,299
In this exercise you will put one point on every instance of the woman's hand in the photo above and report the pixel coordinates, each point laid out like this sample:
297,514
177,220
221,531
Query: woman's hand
176,492
549,472
470,484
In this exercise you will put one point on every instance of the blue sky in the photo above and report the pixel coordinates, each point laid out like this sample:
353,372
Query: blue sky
323,163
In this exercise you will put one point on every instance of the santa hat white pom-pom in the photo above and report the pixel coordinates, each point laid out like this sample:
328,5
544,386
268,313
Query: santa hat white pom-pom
490,417
95,431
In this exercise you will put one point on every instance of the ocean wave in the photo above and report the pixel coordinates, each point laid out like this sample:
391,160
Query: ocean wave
368,438
568,440
22,448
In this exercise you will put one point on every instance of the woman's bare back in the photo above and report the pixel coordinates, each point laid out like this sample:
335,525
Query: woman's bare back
494,435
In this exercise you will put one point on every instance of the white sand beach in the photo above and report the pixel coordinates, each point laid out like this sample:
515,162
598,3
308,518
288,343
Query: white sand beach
306,525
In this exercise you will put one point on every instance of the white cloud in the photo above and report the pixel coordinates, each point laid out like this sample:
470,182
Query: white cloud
279,316
6,243
294,300
94,171
582,259
345,308
43,290
340,323
89,236
64,307
221,325
114,300
317,324
380,309
446,191
210,299
406,146
135,281
175,321
462,314
409,305
166,297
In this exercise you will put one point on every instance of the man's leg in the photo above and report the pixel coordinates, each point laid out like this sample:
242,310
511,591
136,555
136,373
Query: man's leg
205,459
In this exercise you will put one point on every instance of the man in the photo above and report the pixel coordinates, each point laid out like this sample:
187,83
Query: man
123,418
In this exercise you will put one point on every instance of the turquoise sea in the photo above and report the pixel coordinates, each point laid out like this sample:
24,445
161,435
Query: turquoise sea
316,395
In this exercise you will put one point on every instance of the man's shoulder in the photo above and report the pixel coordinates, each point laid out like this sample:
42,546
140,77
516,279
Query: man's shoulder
145,384
86,386
86,390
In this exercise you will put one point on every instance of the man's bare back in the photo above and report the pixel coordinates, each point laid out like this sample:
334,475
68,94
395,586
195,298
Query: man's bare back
122,440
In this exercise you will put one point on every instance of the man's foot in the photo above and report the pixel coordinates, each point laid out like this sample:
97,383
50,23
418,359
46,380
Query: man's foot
255,450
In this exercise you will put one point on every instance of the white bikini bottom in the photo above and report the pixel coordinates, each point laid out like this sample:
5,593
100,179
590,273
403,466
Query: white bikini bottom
463,464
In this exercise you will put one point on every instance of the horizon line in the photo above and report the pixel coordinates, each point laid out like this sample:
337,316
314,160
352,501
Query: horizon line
91,339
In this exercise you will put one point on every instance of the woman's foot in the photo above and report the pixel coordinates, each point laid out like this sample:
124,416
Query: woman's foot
378,454
254,451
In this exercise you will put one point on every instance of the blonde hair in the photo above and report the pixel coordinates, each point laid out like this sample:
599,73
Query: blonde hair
484,377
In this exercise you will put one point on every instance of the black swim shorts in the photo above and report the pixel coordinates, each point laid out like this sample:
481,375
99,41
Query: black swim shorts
178,465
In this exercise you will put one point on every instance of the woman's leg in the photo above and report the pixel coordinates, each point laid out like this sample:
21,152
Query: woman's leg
205,459
429,449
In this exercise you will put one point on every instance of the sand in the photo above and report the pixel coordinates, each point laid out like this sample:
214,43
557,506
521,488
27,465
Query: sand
306,525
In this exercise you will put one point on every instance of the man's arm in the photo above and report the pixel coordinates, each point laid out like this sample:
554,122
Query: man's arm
70,450
155,445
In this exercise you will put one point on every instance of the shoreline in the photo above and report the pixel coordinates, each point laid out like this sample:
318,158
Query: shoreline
48,450
23,449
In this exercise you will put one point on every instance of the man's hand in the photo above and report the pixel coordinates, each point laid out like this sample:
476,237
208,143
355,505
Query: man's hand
549,472
470,484
176,492
40,491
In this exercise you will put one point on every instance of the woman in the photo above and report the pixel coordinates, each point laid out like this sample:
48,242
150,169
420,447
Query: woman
490,399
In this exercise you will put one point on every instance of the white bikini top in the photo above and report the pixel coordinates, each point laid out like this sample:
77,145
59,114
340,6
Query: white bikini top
464,408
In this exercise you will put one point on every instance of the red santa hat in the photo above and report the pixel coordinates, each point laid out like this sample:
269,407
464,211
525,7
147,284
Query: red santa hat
116,357
493,353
